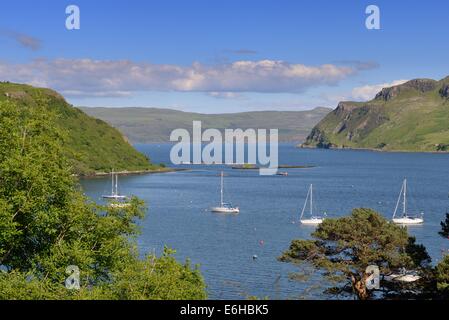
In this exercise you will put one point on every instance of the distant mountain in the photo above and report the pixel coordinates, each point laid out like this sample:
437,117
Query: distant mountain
144,125
413,116
92,144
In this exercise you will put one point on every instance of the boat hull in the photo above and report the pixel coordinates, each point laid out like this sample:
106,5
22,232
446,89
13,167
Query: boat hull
225,210
312,221
408,220
114,197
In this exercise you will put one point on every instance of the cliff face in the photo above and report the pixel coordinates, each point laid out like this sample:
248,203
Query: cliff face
419,85
413,116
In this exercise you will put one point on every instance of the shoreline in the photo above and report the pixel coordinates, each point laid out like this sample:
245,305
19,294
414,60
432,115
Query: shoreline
300,146
129,173
282,166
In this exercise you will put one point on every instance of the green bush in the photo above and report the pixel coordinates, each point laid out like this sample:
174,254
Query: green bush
46,224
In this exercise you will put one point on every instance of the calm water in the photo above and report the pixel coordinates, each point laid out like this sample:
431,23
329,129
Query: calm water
178,214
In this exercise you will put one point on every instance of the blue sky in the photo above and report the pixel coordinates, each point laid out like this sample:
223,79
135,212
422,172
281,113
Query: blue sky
221,56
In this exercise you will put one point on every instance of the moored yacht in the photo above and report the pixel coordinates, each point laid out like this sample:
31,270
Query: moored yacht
312,219
114,192
224,207
406,218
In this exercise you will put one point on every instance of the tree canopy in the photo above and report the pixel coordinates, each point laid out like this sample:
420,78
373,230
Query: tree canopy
92,145
442,269
445,227
343,248
47,224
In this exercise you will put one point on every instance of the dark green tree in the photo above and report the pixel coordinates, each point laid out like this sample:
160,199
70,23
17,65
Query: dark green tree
445,227
442,277
47,224
343,248
442,269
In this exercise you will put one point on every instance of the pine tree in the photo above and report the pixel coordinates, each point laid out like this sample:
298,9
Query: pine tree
445,227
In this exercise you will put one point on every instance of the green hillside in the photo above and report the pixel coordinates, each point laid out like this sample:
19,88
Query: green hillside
413,116
91,144
155,125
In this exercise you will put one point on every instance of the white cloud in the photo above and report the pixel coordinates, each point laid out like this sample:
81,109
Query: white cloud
87,77
368,92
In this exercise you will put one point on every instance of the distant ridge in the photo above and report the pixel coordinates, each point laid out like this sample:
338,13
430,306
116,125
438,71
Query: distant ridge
145,125
413,116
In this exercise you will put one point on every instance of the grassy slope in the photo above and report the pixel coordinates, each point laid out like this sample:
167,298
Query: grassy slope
155,125
411,121
92,144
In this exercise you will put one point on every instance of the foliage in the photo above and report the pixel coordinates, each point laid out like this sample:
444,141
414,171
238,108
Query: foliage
445,227
90,144
46,224
442,276
153,278
343,248
442,269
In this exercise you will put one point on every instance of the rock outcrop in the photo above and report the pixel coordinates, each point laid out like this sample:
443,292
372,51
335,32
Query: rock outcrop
411,116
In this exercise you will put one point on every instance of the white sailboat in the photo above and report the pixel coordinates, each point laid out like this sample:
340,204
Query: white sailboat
114,192
224,207
312,220
405,218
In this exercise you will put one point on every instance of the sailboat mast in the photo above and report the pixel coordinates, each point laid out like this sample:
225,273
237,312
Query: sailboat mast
305,205
405,198
221,190
116,184
311,200
112,181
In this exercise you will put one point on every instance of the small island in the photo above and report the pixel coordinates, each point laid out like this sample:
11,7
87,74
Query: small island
249,166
